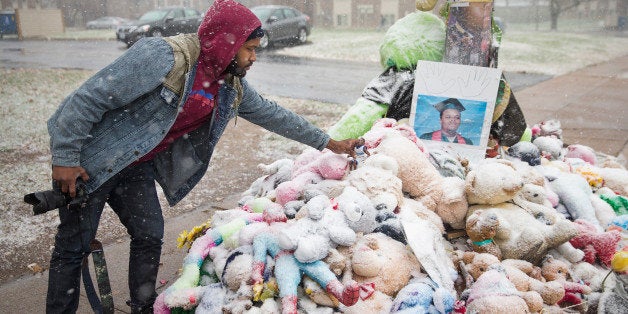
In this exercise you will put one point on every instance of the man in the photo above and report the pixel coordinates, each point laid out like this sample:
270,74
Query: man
449,122
155,114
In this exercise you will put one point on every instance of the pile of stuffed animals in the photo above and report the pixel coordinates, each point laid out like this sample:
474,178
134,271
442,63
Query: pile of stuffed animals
536,229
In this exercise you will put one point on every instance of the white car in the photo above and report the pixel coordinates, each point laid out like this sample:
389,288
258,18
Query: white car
106,22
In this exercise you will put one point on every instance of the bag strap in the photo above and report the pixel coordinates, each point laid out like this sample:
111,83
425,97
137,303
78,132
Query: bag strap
104,303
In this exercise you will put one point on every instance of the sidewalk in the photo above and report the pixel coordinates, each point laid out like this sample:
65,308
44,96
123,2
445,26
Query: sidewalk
592,105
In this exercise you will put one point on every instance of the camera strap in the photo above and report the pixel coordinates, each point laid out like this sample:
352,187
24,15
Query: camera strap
104,303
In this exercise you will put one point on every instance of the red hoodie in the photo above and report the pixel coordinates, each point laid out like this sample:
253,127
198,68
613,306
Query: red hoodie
225,27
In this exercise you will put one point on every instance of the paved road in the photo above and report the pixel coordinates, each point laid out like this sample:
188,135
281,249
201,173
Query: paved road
329,81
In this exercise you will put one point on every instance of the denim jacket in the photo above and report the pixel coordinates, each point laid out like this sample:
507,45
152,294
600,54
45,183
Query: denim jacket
126,109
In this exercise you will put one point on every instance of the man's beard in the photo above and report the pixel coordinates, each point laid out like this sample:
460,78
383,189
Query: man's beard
234,70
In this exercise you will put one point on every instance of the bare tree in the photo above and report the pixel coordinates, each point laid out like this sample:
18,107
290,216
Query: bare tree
559,6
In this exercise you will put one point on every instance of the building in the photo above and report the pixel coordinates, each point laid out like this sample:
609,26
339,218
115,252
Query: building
324,13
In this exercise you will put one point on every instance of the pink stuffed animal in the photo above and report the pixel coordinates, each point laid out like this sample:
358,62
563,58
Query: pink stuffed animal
600,245
583,152
311,167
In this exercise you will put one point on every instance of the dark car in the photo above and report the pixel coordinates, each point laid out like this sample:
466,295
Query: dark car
160,22
282,24
106,22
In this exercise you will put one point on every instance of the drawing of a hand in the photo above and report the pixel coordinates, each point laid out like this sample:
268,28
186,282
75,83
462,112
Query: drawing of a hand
475,83
433,79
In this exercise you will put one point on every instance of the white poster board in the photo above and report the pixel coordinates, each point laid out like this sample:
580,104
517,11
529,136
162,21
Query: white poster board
466,96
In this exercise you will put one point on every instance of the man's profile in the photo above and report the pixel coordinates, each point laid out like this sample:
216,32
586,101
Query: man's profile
450,110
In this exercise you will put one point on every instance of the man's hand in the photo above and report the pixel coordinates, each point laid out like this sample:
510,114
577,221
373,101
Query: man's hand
344,147
66,176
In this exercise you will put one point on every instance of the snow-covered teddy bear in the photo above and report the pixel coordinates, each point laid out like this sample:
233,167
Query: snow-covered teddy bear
377,258
494,293
377,179
311,237
616,179
490,186
423,182
519,272
555,269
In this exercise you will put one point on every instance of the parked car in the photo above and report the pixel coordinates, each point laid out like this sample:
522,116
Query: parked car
106,22
282,24
160,22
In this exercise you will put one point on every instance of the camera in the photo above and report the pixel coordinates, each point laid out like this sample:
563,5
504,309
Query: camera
45,201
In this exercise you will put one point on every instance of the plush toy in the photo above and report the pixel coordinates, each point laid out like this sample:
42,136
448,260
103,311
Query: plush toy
596,245
310,167
616,179
453,205
447,164
289,271
493,293
556,270
274,174
548,128
378,302
184,292
617,202
518,272
378,259
550,147
574,192
293,190
493,181
583,152
481,230
359,211
423,182
531,198
519,235
418,176
423,295
390,224
591,275
382,127
526,152
377,179
311,237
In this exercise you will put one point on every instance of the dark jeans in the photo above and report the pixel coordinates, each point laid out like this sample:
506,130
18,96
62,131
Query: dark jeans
133,197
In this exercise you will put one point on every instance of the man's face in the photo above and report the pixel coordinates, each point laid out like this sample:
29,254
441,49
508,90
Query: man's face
246,56
450,120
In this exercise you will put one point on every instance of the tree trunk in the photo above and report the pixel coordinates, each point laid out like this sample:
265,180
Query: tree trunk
554,13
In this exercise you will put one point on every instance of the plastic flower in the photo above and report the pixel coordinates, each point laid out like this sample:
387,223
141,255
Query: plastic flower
619,263
187,238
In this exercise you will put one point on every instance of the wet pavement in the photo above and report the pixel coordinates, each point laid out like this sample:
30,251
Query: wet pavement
330,81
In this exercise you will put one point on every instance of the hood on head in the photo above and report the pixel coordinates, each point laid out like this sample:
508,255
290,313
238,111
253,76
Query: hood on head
224,29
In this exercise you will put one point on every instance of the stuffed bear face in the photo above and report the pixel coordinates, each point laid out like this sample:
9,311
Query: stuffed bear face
492,182
480,264
534,193
554,269
482,226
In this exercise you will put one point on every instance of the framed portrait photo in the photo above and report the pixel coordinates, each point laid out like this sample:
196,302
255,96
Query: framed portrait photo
452,107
